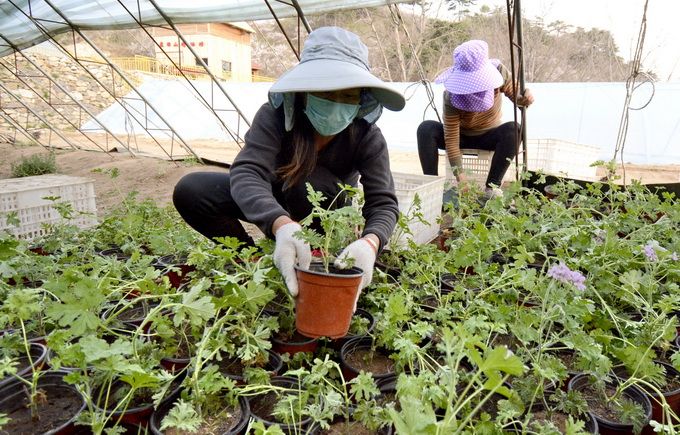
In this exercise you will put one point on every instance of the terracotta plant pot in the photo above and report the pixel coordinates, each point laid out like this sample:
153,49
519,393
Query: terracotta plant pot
325,300
237,428
581,383
57,413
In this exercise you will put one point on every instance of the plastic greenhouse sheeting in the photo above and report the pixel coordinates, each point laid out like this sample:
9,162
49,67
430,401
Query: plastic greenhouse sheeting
583,113
113,14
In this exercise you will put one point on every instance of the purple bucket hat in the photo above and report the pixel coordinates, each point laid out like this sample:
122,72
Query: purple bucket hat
473,77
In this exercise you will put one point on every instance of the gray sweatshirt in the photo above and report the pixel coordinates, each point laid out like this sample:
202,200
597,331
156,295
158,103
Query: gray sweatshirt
253,173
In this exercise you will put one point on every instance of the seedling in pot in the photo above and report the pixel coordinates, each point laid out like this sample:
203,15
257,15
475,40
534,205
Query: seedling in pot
340,224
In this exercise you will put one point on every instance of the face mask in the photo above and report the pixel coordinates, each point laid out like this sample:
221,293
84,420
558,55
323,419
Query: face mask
329,117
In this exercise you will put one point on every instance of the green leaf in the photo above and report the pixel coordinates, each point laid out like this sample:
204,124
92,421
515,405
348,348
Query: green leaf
502,359
414,418
182,417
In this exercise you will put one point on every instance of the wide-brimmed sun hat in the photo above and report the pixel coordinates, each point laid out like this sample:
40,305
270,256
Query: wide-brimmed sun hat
472,70
333,59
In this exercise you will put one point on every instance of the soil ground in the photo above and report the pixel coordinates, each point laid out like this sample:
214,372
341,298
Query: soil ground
155,177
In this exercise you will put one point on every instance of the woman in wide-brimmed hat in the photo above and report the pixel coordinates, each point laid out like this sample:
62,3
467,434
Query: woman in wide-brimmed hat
317,127
472,115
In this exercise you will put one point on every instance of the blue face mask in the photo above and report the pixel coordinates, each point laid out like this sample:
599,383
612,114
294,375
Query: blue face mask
329,117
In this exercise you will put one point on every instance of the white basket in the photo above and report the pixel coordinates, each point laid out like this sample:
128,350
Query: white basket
430,191
563,158
552,156
26,197
476,164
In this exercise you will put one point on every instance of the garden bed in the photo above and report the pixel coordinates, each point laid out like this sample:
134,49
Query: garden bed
580,283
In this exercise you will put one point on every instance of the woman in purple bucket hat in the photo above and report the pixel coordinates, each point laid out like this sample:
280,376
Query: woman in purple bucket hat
472,115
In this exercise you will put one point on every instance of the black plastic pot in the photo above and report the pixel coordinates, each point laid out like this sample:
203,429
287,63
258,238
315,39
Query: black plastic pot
591,425
256,405
582,381
138,415
38,357
350,372
114,252
298,343
393,272
273,367
339,342
158,415
177,276
671,397
14,398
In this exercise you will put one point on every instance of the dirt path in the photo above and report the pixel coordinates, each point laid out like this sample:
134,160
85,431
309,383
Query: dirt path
150,177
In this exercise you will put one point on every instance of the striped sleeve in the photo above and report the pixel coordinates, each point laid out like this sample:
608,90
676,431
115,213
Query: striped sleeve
452,135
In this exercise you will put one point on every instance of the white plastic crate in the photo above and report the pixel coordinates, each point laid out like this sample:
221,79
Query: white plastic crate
552,156
563,158
476,164
26,197
430,191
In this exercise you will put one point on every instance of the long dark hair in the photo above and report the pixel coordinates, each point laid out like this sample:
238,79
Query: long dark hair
302,149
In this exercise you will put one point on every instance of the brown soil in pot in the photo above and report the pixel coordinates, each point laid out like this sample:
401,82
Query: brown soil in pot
557,418
220,424
57,405
347,428
134,313
370,361
292,337
598,405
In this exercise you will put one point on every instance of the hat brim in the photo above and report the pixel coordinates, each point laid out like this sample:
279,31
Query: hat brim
470,82
332,75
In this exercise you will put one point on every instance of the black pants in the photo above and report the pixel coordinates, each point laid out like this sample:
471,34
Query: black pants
501,140
204,201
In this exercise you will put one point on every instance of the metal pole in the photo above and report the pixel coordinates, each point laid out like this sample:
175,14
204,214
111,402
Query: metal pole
123,77
302,17
18,127
236,137
520,59
278,22
37,115
65,91
74,57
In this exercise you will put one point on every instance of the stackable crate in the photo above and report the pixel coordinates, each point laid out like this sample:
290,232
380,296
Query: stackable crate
552,156
430,191
29,199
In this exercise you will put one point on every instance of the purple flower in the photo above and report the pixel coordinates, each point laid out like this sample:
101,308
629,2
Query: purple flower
674,256
650,253
650,250
562,273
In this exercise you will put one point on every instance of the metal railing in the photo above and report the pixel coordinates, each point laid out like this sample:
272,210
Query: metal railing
154,66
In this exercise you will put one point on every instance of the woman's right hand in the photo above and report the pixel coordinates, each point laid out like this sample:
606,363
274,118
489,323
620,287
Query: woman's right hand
290,250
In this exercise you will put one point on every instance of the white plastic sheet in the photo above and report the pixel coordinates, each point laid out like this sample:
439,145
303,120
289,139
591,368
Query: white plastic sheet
18,30
583,113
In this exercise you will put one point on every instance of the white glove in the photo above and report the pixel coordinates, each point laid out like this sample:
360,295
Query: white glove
290,250
360,253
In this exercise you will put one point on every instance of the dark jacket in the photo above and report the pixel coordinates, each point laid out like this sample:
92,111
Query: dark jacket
267,148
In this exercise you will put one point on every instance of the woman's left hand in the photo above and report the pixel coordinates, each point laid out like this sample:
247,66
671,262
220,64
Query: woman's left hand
526,99
362,254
